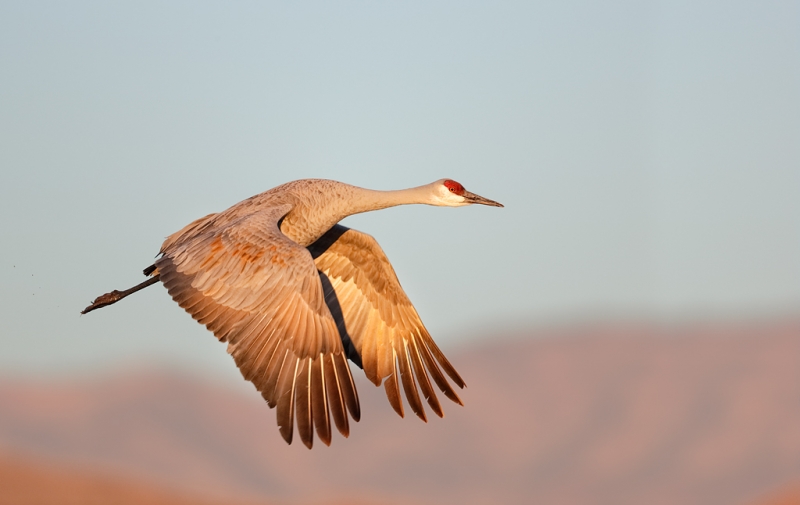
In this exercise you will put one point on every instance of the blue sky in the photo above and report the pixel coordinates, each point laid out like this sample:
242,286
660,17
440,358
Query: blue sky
648,155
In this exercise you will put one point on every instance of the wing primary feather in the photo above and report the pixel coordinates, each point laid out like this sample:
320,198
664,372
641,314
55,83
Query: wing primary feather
387,358
369,356
335,397
438,378
273,373
285,412
422,378
347,386
392,388
319,400
302,392
448,368
409,385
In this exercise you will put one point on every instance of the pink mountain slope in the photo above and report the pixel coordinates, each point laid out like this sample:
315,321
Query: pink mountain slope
695,414
26,482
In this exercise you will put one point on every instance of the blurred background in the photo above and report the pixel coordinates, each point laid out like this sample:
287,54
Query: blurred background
628,325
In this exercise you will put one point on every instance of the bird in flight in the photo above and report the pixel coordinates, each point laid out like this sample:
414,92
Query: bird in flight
295,295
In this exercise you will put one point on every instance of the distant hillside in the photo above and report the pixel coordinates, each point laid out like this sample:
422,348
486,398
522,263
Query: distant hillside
695,414
23,482
787,496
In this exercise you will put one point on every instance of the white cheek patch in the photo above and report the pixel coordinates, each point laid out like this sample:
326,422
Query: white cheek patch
456,200
450,198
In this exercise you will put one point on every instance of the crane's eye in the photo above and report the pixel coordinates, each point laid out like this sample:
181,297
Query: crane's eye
454,187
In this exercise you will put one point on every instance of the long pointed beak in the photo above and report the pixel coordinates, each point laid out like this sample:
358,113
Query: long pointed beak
473,198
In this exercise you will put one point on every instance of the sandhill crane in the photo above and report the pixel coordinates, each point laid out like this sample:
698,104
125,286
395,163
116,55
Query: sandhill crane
295,295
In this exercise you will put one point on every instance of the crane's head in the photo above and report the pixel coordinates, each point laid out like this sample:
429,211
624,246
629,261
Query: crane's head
449,193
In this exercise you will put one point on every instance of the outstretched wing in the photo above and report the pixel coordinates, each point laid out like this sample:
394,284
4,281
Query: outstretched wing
380,321
260,292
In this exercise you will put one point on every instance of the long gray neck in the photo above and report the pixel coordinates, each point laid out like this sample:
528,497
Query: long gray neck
365,200
309,220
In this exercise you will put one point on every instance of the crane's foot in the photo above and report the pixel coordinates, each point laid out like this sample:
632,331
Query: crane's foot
103,300
116,295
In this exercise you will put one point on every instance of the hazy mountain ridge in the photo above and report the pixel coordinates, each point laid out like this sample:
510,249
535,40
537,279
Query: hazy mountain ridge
615,414
27,482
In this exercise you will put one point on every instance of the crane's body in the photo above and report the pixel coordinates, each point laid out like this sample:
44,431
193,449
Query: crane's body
295,295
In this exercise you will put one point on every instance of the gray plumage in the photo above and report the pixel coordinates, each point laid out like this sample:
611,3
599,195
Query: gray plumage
294,295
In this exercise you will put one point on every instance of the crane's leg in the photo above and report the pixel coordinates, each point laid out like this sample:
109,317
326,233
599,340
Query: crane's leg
115,296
